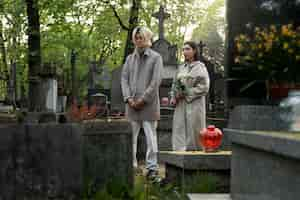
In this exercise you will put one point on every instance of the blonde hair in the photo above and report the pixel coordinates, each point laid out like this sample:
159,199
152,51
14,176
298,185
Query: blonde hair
145,33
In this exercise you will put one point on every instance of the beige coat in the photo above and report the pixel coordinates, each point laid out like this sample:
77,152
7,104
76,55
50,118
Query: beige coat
141,78
190,113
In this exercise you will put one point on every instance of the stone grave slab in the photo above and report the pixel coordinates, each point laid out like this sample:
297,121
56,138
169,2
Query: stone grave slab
259,117
265,165
107,146
40,161
63,161
181,167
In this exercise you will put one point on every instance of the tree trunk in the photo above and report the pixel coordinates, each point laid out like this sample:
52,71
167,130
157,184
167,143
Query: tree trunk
73,75
3,50
4,70
133,22
34,54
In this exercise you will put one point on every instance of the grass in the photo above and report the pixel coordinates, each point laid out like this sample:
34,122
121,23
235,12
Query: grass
145,190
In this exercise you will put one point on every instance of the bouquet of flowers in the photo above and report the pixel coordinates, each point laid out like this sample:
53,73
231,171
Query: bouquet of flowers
180,86
273,51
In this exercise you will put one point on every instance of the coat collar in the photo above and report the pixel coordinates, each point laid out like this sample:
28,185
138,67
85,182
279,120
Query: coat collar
192,64
146,52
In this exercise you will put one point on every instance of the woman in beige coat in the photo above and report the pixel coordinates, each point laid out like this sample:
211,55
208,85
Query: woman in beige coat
189,89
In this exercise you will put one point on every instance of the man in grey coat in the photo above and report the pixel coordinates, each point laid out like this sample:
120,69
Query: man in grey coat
141,77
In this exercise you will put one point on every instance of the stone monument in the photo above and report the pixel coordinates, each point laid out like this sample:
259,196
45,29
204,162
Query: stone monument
168,53
49,85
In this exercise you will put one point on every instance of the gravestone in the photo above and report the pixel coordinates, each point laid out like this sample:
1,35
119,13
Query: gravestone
62,88
253,117
5,108
107,148
99,80
49,86
93,75
182,167
105,79
162,46
61,103
264,165
259,117
63,161
51,99
74,85
40,162
168,53
161,15
117,103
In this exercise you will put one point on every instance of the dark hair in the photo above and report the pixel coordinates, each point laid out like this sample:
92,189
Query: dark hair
195,48
138,30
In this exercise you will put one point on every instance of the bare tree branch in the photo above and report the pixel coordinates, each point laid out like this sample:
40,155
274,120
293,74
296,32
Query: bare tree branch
116,15
118,18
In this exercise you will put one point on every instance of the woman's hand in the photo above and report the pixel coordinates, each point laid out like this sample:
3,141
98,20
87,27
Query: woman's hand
179,96
173,102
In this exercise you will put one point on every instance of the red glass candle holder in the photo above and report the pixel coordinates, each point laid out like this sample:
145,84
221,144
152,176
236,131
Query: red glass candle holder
210,138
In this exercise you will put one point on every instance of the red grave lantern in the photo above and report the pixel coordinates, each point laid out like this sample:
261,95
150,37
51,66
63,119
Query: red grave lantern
210,138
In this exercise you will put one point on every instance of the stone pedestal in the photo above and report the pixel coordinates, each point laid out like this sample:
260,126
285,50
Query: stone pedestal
265,165
61,104
181,167
49,86
107,152
63,161
209,197
41,117
40,161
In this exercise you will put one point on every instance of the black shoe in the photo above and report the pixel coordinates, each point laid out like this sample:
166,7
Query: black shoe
152,175
164,182
138,171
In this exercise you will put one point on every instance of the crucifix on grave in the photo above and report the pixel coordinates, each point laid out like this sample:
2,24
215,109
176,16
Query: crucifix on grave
161,15
93,75
201,46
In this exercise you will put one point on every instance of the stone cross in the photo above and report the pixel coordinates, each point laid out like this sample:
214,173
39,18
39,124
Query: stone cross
161,15
92,75
201,45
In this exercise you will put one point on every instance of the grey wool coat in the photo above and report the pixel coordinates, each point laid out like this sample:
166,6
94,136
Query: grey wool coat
190,113
141,78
